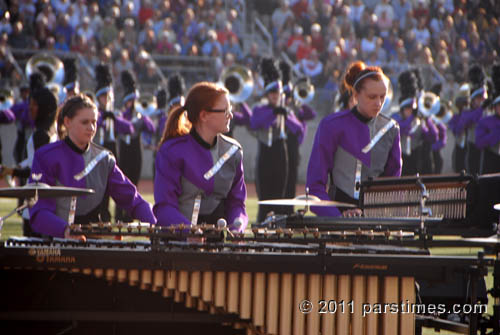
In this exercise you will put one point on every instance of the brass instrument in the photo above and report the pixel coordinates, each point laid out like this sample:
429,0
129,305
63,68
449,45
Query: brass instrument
303,91
53,70
428,104
6,99
238,81
146,104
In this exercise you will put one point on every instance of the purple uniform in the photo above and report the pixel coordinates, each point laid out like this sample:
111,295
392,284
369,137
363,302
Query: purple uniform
7,116
351,148
488,138
186,170
60,163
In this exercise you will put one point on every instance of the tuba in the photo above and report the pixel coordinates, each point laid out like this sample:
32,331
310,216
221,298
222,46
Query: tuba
6,99
238,81
53,70
303,91
429,104
146,104
444,114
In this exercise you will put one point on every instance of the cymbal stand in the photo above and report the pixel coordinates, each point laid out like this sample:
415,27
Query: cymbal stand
27,203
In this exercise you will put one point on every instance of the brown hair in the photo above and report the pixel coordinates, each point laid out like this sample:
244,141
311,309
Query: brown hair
70,108
356,71
202,96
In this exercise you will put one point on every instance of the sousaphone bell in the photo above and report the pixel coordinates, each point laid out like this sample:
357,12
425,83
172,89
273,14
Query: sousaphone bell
238,81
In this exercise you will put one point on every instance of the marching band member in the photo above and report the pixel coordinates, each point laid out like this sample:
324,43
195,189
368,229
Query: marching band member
43,110
460,149
441,141
109,124
488,130
77,162
21,109
414,129
471,117
131,151
304,113
71,85
176,88
272,122
354,145
199,172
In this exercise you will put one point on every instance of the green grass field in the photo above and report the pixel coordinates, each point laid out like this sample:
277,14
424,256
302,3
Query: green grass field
13,227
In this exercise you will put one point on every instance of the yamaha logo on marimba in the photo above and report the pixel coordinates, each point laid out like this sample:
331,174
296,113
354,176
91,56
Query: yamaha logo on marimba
50,255
371,267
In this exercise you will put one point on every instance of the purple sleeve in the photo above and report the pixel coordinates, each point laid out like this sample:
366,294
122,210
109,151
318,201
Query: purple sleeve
468,118
430,131
454,123
125,194
148,124
7,116
123,126
243,116
442,137
485,136
262,117
19,108
161,125
306,113
295,126
404,125
235,202
167,189
320,164
43,219
394,162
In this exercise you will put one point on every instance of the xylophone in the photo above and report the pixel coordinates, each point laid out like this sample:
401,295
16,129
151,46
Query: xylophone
216,287
465,203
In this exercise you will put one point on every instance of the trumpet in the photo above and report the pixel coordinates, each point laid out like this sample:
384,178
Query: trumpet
238,80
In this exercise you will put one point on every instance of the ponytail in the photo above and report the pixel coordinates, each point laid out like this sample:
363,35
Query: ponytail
177,124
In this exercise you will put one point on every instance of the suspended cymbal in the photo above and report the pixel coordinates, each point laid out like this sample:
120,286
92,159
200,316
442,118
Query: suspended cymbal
303,200
43,190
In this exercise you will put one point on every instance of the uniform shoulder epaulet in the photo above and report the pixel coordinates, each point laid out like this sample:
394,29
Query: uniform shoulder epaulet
230,140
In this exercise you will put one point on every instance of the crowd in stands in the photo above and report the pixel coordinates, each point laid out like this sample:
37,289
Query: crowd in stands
123,32
444,36
320,36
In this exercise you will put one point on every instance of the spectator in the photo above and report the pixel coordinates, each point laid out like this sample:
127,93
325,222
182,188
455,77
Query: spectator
5,26
421,11
109,31
318,42
253,58
74,18
295,41
164,46
80,44
237,25
18,38
279,17
232,46
96,21
141,37
368,44
61,43
150,76
49,16
311,67
356,13
145,12
384,7
422,34
149,43
333,60
304,49
61,6
225,34
220,15
65,29
211,43
477,48
300,8
123,63
85,29
202,35
402,9
130,33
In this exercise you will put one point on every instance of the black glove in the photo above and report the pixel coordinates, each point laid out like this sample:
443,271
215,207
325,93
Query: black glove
108,115
279,111
486,103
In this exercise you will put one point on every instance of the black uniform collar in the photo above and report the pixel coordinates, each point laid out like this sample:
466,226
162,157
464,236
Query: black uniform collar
360,117
73,146
201,141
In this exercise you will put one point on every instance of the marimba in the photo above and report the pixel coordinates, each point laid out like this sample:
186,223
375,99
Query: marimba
223,288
